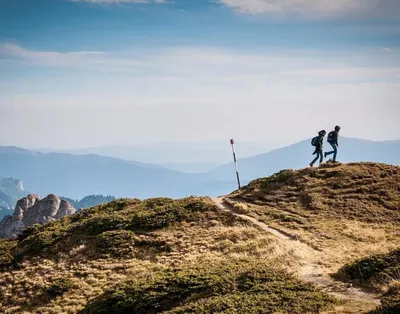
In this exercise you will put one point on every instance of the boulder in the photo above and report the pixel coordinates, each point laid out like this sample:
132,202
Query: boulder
32,210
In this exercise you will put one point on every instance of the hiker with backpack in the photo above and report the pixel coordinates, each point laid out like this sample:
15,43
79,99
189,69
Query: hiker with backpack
318,143
333,138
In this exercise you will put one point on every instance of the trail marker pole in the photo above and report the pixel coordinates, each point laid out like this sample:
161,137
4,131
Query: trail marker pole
234,159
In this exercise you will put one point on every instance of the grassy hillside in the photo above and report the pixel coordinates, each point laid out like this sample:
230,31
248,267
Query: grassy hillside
190,256
345,211
154,256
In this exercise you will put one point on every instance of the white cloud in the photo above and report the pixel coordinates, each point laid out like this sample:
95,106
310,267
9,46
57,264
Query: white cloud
50,58
308,8
219,66
95,60
193,93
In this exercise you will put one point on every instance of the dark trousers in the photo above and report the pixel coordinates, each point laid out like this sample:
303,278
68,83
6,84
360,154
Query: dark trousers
334,151
319,155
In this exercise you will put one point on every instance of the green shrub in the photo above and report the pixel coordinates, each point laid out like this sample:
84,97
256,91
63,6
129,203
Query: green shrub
230,286
374,270
150,217
109,226
153,203
98,224
59,287
116,242
390,303
29,231
272,182
37,242
7,248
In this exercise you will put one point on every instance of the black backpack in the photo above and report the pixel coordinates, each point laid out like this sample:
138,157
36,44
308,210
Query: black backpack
330,137
314,141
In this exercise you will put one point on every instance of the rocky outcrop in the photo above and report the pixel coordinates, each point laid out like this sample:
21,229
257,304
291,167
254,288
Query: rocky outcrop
32,210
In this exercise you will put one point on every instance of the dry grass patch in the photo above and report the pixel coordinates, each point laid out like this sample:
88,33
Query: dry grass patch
100,249
345,210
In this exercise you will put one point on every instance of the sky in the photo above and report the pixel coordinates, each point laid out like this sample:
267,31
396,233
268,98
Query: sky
81,73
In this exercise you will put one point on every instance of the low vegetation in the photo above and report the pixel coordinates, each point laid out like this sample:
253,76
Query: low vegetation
390,301
215,286
380,271
7,256
59,287
374,271
110,226
185,255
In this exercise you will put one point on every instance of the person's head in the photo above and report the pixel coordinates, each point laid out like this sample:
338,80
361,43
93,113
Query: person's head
337,128
322,132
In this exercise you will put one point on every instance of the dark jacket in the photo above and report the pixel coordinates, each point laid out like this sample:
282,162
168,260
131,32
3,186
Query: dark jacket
334,138
320,144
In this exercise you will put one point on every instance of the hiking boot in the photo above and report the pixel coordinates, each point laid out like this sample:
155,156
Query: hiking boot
311,165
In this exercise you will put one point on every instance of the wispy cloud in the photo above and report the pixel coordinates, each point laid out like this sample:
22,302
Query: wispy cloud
10,52
242,88
50,58
315,8
218,66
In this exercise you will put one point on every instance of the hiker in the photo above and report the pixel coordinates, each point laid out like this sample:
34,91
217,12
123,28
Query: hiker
333,137
318,142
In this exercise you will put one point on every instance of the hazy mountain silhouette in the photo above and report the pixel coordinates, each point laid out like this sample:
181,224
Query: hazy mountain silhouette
78,176
299,156
195,156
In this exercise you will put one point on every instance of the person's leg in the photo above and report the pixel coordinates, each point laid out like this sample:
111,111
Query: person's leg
328,153
321,158
313,162
331,152
335,151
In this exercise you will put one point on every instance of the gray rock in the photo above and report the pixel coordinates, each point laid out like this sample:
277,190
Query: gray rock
32,210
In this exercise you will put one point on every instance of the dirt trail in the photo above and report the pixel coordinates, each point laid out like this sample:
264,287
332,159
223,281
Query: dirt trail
310,271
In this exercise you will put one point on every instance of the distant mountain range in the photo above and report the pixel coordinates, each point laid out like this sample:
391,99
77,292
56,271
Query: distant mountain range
79,175
185,156
89,201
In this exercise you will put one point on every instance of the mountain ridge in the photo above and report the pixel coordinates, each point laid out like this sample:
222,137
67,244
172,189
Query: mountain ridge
189,255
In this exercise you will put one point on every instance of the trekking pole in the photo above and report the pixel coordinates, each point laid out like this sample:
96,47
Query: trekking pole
234,159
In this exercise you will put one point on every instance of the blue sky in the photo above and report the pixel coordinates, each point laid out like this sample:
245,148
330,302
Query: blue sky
99,72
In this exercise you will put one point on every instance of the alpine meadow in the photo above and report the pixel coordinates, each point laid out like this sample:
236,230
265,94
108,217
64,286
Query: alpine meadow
202,156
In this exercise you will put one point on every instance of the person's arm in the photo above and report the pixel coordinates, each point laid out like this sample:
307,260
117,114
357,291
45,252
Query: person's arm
321,142
337,139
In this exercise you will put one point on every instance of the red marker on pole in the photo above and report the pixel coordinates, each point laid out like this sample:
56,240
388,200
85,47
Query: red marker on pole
234,159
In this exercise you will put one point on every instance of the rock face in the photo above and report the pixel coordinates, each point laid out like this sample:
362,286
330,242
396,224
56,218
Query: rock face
32,210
